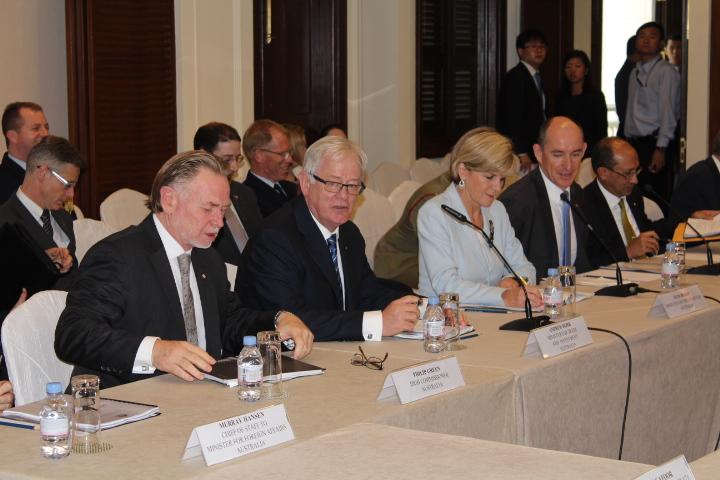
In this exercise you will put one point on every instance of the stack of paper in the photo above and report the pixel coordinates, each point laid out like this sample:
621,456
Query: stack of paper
225,371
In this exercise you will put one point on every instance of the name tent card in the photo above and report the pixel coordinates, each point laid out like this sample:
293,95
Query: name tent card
422,380
675,469
678,302
554,339
237,436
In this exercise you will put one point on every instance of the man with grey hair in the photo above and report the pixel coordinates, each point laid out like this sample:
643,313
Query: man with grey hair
154,298
309,258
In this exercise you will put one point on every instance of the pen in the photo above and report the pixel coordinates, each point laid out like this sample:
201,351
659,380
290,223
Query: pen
485,309
470,335
26,426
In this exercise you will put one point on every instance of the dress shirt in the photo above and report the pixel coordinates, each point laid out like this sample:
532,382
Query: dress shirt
22,164
653,101
532,71
266,181
553,192
372,324
143,358
717,162
59,236
613,202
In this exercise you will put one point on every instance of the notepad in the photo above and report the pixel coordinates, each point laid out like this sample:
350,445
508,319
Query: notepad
225,371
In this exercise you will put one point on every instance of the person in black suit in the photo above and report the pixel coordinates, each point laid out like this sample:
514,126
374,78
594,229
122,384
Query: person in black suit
621,84
154,298
309,258
23,125
697,193
522,106
243,217
267,147
615,207
551,235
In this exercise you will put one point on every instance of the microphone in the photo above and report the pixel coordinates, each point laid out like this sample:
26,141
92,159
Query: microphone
523,324
710,268
619,290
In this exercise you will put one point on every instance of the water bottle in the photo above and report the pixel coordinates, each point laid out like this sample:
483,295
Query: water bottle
670,267
250,371
434,327
553,295
55,423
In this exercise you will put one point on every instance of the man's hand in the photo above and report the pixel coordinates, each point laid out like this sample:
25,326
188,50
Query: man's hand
508,282
6,395
400,315
705,214
646,243
515,296
182,359
526,163
657,161
290,326
61,257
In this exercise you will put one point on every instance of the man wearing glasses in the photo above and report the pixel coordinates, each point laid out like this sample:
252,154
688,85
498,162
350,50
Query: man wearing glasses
53,169
309,258
243,217
615,207
267,147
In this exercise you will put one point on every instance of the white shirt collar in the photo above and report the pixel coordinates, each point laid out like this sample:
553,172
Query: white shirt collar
717,161
325,232
553,190
530,68
610,197
171,246
32,207
20,163
266,181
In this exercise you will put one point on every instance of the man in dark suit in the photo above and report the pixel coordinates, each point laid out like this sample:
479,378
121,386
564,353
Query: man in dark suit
550,233
697,194
615,207
267,147
154,298
309,258
522,107
621,84
23,125
243,217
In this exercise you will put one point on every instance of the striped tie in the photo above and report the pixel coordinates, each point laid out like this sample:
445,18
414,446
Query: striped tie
188,304
47,226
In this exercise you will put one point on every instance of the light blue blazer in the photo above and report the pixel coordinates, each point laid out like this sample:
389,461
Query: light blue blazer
456,258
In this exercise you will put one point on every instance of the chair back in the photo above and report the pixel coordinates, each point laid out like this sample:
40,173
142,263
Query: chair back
87,233
123,208
28,338
652,210
401,194
386,177
373,214
424,170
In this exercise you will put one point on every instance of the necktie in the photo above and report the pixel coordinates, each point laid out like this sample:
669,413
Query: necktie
279,189
47,226
627,227
188,305
566,233
538,85
332,247
236,228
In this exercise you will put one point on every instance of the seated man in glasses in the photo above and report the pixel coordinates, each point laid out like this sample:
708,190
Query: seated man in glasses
267,148
309,258
615,207
53,169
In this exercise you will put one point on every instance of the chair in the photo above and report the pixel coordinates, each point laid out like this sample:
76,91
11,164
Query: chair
123,208
586,174
386,177
401,194
424,170
28,336
87,233
374,216
652,210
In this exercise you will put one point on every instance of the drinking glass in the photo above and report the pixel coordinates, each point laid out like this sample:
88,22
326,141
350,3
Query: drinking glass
270,350
567,280
450,304
86,416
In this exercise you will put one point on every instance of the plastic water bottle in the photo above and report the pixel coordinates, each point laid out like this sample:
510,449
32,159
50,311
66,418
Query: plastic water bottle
55,423
670,267
553,295
250,371
434,327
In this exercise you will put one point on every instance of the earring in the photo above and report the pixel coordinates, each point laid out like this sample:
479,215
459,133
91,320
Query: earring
461,184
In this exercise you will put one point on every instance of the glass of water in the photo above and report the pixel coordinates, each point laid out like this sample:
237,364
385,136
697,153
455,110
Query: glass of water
567,280
450,303
86,416
680,252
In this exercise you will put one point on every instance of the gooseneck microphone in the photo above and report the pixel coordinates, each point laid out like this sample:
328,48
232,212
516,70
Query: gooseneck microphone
710,268
523,324
621,289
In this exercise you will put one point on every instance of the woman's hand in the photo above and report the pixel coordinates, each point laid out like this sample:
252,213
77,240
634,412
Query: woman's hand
515,296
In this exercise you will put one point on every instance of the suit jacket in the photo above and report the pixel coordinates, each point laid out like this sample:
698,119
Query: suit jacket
245,203
268,199
125,291
528,207
621,94
520,109
288,266
698,189
601,218
11,177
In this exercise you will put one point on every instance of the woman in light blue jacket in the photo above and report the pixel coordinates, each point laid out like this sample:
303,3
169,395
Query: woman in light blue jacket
453,256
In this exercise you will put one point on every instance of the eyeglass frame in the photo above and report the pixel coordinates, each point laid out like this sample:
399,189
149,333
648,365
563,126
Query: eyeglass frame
373,363
285,155
67,185
235,158
329,186
628,176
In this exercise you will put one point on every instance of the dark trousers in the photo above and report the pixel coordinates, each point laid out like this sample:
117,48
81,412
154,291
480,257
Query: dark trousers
661,181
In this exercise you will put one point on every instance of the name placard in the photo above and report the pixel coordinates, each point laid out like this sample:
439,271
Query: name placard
561,337
678,302
423,380
237,436
675,469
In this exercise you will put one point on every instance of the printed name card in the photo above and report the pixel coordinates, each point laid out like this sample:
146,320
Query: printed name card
675,469
423,380
554,339
678,302
238,436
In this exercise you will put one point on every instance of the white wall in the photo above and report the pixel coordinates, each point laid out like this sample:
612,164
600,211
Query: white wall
582,26
33,58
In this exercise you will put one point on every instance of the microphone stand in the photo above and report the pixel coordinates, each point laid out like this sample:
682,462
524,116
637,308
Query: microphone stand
520,325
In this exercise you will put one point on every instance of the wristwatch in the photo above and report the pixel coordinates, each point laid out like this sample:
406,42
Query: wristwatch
277,318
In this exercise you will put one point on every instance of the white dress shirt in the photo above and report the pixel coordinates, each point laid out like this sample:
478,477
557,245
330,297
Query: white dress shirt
20,163
532,71
717,162
59,236
556,205
613,202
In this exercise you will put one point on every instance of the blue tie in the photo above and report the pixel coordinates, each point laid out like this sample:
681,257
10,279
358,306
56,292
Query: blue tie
332,246
565,232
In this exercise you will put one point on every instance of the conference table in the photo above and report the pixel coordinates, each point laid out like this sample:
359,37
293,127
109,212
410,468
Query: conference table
567,407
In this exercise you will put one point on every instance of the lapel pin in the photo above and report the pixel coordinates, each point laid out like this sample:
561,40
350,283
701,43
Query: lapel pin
203,275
